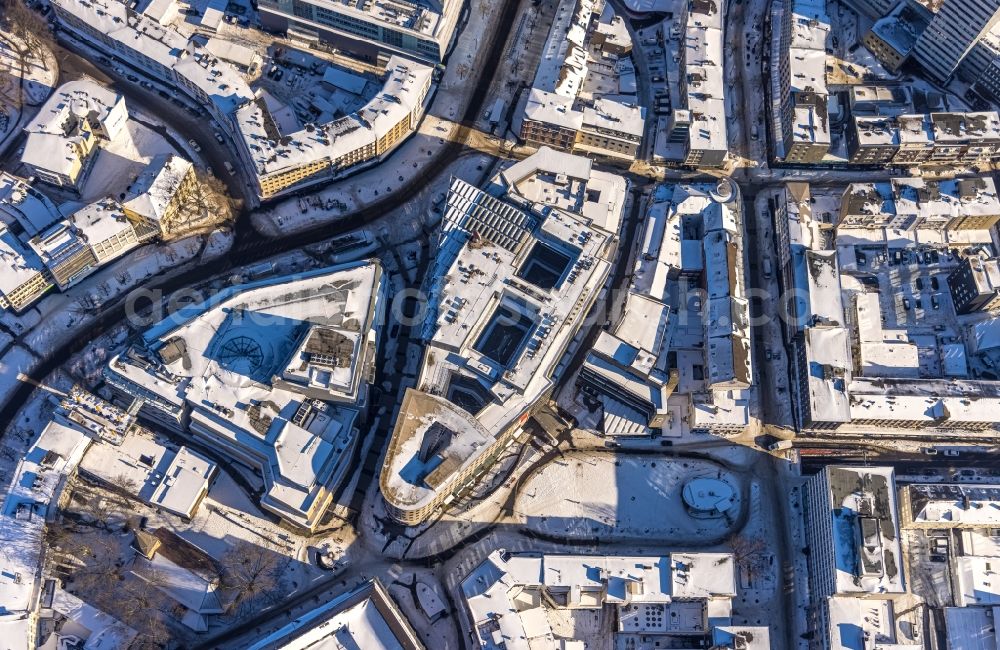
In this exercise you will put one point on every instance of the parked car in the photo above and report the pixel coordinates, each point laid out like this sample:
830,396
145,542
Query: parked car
951,452
229,167
218,136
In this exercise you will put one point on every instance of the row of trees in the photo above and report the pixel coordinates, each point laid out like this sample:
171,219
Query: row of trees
88,534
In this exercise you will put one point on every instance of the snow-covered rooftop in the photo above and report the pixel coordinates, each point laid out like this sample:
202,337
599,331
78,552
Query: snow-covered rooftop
274,371
150,195
863,624
163,477
56,133
23,204
829,349
704,85
916,129
551,108
901,28
59,242
513,280
975,581
97,629
19,263
953,505
100,221
273,151
971,628
232,52
365,618
516,598
33,490
868,556
742,637
962,127
607,115
948,198
563,66
870,130
223,89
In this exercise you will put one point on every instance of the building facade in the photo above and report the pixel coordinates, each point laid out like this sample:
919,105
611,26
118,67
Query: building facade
952,33
373,30
975,285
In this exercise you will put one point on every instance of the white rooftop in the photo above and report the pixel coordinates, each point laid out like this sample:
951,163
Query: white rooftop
976,582
100,221
563,66
951,505
364,618
868,557
274,369
971,628
704,88
523,258
516,598
551,108
151,193
163,477
55,131
19,263
34,486
273,151
23,204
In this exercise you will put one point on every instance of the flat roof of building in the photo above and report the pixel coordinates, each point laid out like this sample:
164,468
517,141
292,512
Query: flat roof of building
868,556
21,203
704,89
971,628
273,369
515,274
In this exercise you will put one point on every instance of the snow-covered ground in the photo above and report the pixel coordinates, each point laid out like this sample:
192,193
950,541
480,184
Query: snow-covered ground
610,497
39,79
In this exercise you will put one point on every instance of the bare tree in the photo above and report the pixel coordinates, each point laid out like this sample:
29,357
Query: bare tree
253,573
30,36
100,509
748,553
207,204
